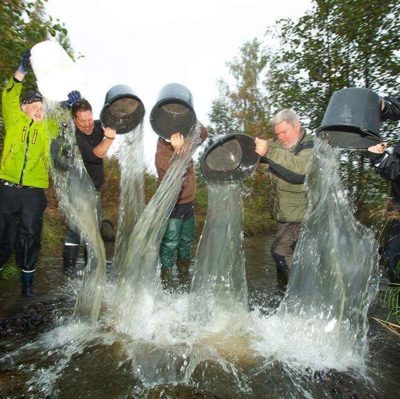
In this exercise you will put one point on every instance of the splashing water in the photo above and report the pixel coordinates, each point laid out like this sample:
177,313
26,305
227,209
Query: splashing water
131,164
219,279
209,337
138,282
78,198
322,321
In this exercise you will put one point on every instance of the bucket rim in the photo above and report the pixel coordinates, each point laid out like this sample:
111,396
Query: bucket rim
219,140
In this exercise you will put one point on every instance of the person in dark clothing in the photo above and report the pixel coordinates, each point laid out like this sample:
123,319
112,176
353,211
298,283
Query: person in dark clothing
387,164
93,142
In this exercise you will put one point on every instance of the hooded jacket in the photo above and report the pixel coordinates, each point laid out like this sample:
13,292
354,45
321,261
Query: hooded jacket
25,157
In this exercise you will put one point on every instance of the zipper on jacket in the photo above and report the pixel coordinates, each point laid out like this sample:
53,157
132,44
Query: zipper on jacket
26,155
8,155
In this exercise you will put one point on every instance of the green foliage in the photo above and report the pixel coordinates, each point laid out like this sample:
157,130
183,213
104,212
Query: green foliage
11,271
257,218
244,108
339,43
391,300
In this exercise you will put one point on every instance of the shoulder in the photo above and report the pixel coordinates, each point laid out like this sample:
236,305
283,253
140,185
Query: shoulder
306,143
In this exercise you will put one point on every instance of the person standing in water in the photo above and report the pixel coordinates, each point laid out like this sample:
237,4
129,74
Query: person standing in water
288,156
179,235
387,164
94,143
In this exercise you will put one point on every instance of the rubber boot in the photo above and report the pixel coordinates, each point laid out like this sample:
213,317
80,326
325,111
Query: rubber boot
183,273
70,255
282,280
166,277
27,284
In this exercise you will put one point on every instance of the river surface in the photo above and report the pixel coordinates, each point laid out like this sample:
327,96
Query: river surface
44,355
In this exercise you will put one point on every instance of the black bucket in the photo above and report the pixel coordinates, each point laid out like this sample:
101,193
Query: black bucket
173,111
123,110
352,119
229,157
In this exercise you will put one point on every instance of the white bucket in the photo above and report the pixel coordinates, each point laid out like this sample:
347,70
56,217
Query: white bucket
56,73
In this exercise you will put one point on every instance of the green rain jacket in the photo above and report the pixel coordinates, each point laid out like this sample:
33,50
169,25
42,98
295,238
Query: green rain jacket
288,169
25,157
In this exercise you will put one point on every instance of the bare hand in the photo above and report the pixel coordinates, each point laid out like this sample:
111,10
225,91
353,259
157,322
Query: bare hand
378,148
110,133
261,146
177,141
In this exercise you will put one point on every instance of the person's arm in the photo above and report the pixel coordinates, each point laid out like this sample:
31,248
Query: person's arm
391,109
290,166
165,152
100,151
386,164
13,89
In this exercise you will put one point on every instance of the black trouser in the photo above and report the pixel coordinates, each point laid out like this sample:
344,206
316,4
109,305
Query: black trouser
283,247
21,220
393,252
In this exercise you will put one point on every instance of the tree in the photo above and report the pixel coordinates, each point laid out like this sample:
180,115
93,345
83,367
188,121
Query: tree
339,43
245,107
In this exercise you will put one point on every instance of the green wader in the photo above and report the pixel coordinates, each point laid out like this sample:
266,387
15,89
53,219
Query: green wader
178,237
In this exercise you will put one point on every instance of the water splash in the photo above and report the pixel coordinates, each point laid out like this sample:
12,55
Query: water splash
219,279
322,321
132,203
138,283
78,198
208,338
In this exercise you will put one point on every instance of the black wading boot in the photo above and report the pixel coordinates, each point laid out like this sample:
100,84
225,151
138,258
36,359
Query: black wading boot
27,284
70,256
183,272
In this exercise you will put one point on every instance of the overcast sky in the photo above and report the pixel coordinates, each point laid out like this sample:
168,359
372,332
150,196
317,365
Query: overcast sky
148,44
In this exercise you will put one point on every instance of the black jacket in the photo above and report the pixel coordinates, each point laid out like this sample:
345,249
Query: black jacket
388,164
93,164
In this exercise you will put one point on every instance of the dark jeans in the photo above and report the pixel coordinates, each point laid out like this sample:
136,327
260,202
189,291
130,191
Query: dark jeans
393,252
21,220
284,244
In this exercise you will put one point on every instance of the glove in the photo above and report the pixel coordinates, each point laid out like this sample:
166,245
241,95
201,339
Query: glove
392,109
73,97
25,62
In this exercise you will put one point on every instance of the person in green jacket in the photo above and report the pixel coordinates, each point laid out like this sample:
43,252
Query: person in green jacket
23,174
288,156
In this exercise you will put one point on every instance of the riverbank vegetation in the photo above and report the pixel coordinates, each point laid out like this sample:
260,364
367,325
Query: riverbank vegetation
296,64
